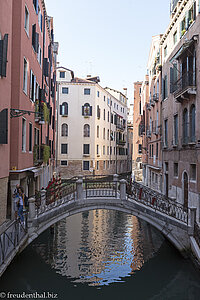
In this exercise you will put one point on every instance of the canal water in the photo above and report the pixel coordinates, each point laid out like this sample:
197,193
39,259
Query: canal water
101,254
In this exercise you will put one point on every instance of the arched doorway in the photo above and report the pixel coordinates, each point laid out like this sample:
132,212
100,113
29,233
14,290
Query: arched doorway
185,190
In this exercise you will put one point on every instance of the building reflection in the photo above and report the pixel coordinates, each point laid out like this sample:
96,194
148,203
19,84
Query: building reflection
100,246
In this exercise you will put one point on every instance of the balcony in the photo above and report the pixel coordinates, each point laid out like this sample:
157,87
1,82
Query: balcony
185,86
41,112
120,126
41,153
121,142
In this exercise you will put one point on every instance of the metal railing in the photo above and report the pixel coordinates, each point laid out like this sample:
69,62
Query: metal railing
197,233
158,202
100,189
187,80
11,238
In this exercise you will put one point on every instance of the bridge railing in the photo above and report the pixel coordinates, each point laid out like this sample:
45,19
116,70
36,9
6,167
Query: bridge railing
98,188
11,238
158,202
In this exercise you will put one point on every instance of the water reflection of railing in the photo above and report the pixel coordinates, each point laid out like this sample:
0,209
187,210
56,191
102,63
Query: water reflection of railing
159,202
10,239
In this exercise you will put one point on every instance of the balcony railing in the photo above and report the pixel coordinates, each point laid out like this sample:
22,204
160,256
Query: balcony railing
121,142
185,85
120,126
188,140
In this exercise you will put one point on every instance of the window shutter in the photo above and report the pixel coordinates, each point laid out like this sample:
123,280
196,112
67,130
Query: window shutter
115,119
90,110
3,55
45,67
36,42
42,95
171,80
4,126
33,35
53,122
66,109
166,87
60,109
36,6
34,87
31,73
50,115
194,10
83,110
163,89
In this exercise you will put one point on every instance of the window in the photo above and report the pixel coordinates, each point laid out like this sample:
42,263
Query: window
104,114
98,112
108,134
64,90
63,162
97,131
97,149
165,51
108,116
104,164
40,18
108,101
192,123
108,164
140,148
176,130
104,98
164,88
23,135
64,148
104,133
193,172
97,93
30,137
156,150
175,169
86,148
35,3
26,21
111,118
39,55
185,126
107,150
64,130
110,150
86,91
140,108
35,38
64,109
166,133
86,130
104,150
152,151
97,165
175,37
62,74
25,75
32,86
36,136
86,110
86,165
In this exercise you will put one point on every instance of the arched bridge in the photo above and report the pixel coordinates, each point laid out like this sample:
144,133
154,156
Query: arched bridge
177,223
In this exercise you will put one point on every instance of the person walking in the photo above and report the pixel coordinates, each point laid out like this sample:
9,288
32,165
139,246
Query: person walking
21,205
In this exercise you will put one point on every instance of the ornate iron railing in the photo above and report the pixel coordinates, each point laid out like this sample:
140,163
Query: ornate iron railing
11,238
197,233
158,202
100,189
186,81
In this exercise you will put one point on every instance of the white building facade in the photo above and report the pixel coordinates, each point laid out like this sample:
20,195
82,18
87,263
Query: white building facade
91,127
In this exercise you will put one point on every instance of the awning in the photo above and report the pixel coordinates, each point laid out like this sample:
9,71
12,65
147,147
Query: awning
184,47
36,172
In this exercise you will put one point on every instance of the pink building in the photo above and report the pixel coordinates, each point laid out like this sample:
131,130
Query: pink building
5,101
29,95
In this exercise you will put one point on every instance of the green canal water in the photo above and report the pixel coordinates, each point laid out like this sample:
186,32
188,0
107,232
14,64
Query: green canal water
101,254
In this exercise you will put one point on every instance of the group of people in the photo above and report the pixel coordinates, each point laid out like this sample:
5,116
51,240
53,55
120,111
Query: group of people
19,201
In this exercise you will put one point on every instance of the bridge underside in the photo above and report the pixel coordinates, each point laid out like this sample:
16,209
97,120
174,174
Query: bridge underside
175,231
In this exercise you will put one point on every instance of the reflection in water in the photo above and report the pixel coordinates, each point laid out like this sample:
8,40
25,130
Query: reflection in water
100,247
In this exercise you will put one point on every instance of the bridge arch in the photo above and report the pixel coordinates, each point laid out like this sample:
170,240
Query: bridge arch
169,231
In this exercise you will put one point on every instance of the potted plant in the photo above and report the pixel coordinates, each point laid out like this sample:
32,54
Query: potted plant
183,32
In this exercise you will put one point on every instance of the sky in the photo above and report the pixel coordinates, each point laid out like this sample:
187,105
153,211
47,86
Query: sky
108,38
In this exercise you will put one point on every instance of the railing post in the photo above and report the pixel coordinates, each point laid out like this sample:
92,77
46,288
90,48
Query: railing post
79,189
193,212
43,198
31,215
122,189
115,180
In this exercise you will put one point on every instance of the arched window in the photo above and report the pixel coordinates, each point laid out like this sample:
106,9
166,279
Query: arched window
192,123
86,110
64,109
185,126
64,130
86,130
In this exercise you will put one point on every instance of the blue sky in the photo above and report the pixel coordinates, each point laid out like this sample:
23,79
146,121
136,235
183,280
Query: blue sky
108,38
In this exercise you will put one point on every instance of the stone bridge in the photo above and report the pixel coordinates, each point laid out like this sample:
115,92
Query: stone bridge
177,223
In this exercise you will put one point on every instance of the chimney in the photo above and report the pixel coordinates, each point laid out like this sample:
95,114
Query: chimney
125,91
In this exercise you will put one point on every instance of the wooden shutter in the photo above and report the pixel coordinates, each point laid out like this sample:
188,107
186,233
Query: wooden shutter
33,35
45,67
31,73
61,110
4,126
3,55
36,42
